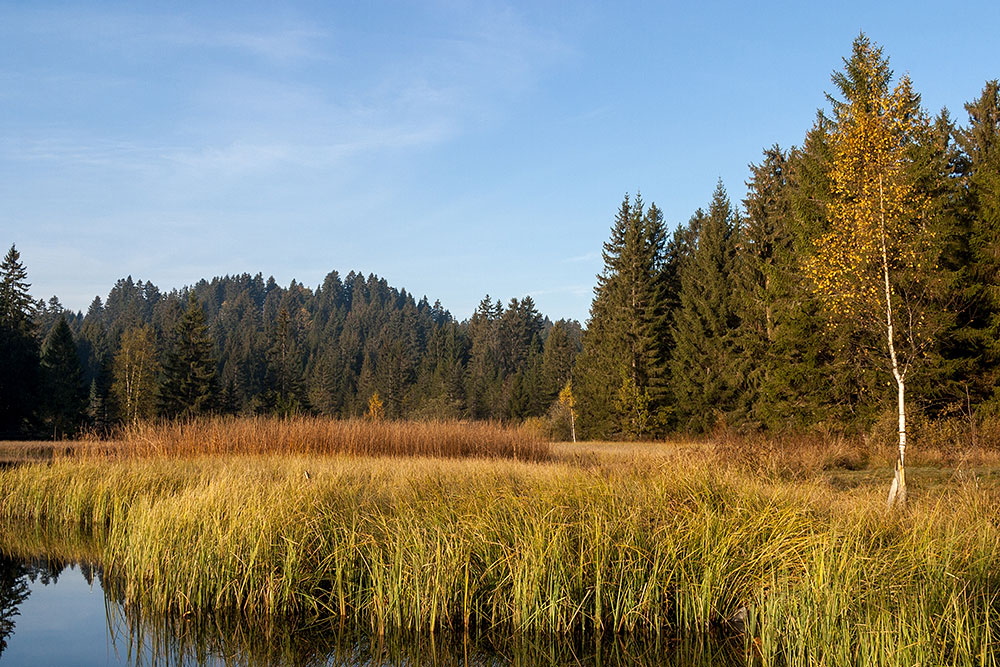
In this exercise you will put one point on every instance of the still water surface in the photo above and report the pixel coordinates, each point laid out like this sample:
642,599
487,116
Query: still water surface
54,613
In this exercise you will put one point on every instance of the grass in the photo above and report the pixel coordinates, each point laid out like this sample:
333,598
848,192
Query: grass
657,540
226,436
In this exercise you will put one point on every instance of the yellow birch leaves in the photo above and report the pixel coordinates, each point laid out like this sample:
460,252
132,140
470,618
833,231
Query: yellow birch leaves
876,212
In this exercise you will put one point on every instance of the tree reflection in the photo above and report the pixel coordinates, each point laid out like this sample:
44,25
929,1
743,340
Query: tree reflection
13,591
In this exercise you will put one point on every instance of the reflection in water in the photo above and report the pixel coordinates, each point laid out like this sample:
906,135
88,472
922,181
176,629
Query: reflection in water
13,591
137,639
344,646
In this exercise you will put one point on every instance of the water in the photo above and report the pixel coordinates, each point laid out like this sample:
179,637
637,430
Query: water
54,613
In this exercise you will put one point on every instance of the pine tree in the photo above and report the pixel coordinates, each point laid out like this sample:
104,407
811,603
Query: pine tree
189,372
19,371
704,363
65,397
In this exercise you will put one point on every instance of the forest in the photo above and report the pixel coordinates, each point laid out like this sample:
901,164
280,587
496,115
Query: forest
862,266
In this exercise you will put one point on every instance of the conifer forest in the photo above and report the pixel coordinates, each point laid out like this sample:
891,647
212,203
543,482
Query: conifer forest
862,270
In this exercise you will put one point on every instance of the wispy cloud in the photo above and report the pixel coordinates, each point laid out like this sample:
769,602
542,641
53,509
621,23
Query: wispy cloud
422,94
586,257
581,289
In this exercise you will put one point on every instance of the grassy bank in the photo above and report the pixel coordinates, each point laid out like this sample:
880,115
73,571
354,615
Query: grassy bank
650,540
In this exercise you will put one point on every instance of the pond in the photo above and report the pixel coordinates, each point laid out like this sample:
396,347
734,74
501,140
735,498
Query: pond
56,613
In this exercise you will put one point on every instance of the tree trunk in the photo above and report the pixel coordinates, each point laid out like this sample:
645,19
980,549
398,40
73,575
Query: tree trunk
897,492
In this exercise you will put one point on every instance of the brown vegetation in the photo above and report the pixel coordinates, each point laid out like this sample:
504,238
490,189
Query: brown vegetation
325,437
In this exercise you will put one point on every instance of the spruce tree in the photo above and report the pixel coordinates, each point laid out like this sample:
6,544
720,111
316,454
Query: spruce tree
559,353
980,144
189,372
621,373
64,405
950,357
285,361
763,261
703,367
484,373
19,372
816,377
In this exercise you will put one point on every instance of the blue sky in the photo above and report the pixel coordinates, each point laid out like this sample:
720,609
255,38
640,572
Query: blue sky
456,149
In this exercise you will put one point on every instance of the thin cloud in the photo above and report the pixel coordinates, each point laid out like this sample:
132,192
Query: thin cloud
586,257
580,289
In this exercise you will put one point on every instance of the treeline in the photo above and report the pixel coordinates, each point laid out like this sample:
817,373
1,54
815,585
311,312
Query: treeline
244,345
864,262
863,266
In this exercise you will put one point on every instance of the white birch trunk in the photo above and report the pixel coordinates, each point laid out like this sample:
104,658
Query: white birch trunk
897,491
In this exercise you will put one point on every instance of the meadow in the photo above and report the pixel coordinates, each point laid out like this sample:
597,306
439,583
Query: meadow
784,547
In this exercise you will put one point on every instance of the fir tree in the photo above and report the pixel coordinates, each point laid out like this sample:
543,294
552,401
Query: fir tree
704,365
621,375
65,396
764,261
980,144
189,372
19,374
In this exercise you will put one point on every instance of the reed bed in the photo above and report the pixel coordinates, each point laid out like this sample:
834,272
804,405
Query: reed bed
825,576
225,436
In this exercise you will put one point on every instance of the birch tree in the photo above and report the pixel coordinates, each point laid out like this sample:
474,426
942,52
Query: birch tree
135,369
872,267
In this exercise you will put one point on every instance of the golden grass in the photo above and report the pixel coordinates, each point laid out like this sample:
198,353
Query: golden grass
645,540
257,518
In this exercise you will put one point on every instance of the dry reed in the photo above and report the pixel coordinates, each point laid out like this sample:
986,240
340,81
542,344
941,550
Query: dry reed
226,436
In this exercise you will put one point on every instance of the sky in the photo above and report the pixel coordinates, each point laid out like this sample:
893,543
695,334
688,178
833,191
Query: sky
456,149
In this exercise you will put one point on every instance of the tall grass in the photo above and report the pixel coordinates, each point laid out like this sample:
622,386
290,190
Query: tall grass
223,436
828,577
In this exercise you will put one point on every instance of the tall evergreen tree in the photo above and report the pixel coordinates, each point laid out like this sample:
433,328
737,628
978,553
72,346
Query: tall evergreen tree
980,144
621,377
558,356
764,263
189,372
704,367
19,376
64,405
285,361
484,368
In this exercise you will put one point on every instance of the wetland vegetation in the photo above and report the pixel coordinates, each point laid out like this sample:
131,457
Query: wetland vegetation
788,551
